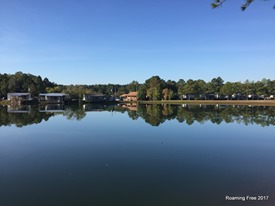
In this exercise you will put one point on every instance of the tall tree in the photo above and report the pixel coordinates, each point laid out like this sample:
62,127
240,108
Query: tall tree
180,86
215,85
154,87
133,86
141,95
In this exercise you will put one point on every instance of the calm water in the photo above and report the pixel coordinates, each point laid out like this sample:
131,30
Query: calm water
159,155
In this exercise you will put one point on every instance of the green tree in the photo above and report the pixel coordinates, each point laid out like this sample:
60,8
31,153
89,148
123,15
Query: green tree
133,86
3,85
271,87
189,87
180,87
171,94
229,88
200,87
141,95
167,94
215,85
76,91
261,87
55,89
154,87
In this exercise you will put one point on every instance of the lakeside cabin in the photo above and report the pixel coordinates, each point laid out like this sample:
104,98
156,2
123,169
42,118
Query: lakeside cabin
19,96
93,97
188,96
132,96
53,98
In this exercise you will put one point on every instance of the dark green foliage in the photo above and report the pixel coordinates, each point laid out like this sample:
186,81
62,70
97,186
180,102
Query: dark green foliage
180,87
23,119
142,92
21,82
216,84
154,88
114,89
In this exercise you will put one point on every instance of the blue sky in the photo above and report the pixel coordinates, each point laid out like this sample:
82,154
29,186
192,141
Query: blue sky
117,41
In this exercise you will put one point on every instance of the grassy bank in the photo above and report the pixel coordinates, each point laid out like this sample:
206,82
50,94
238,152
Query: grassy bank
211,102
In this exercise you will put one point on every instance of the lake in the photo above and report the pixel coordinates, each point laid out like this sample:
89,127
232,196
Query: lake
116,155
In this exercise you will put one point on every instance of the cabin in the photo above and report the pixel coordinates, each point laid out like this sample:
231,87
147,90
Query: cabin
93,97
188,96
221,97
132,96
252,97
208,96
19,96
55,98
237,96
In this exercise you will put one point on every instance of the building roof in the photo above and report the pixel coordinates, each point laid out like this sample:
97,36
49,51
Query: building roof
129,94
18,94
52,94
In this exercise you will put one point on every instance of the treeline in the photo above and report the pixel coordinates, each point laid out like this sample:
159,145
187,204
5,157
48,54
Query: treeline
154,88
21,82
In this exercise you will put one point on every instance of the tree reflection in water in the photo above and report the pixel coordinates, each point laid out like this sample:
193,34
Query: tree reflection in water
153,114
21,118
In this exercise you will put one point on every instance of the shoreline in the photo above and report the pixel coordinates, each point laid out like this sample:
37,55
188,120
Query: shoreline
214,102
175,102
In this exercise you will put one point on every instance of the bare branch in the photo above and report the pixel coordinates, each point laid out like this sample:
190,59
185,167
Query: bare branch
218,3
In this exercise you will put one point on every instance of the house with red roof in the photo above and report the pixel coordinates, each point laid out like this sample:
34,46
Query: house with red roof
132,96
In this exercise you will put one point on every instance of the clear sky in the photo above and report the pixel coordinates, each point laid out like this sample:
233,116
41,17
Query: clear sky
117,41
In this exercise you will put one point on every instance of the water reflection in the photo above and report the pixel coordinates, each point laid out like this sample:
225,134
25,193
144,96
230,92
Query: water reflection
99,156
156,114
51,108
22,116
74,112
153,114
19,108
